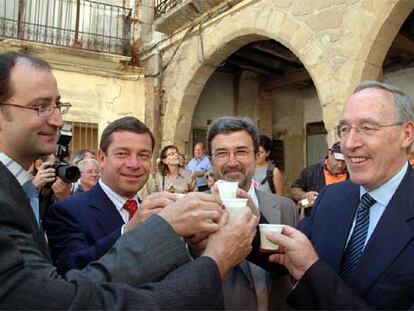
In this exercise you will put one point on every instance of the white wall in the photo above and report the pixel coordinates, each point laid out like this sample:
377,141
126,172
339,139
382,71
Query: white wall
403,79
215,100
248,96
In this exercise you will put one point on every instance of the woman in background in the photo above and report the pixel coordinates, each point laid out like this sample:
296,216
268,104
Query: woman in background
170,176
268,176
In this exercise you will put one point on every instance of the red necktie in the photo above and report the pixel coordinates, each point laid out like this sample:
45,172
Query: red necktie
131,206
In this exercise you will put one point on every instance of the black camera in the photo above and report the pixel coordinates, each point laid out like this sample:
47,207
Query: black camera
68,173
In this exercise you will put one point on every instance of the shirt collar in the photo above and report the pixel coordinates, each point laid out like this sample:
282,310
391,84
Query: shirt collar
200,159
15,168
117,199
384,193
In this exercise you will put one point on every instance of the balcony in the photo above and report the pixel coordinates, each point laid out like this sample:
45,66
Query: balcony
80,24
170,15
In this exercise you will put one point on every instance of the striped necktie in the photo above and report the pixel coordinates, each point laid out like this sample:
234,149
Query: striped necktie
356,243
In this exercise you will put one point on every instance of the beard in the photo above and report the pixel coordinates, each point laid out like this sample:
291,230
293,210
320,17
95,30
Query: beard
243,180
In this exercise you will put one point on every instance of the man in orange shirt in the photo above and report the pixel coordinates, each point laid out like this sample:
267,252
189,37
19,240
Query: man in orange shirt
315,177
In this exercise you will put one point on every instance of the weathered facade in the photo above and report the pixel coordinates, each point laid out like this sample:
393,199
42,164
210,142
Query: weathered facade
339,42
169,65
90,62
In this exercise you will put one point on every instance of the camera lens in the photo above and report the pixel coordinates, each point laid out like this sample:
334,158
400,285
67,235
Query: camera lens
67,172
72,173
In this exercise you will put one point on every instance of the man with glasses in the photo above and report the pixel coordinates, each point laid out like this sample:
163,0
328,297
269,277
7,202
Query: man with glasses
317,176
233,143
357,248
30,118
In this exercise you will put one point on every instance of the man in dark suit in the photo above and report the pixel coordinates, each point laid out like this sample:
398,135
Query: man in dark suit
84,227
30,117
358,245
233,143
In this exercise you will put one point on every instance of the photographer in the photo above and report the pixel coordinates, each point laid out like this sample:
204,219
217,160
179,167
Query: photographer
51,188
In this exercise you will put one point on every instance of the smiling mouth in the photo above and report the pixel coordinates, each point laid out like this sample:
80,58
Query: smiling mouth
50,135
358,160
132,176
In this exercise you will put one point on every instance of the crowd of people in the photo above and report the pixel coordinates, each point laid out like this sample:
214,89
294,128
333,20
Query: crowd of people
99,244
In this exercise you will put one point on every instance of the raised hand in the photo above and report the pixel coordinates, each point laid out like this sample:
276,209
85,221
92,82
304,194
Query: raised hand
194,213
297,253
45,174
152,204
233,241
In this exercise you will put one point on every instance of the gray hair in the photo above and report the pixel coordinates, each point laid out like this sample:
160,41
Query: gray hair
404,107
83,163
229,124
80,154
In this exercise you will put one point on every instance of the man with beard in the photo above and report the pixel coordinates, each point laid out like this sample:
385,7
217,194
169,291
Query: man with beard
233,143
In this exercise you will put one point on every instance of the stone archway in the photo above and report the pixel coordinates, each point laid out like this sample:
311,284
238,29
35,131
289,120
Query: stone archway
339,43
204,51
375,38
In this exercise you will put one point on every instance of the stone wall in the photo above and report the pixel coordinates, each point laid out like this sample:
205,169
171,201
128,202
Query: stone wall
340,43
99,86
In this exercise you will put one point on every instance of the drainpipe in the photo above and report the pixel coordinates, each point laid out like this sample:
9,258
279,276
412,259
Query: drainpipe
157,102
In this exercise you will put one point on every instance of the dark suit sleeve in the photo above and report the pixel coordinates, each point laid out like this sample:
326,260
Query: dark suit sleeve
321,288
196,285
70,246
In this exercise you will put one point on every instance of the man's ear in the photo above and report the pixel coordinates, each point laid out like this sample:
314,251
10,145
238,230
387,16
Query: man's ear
408,134
101,156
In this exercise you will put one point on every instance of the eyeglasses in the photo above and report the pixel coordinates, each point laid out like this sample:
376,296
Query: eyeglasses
366,130
171,154
224,155
47,110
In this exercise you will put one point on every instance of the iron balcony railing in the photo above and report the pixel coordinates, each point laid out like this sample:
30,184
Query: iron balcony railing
81,24
163,6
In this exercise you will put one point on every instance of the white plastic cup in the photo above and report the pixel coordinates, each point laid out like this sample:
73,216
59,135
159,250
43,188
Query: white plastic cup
234,207
265,244
227,189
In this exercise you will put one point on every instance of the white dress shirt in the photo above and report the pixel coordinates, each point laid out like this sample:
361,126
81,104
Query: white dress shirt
118,201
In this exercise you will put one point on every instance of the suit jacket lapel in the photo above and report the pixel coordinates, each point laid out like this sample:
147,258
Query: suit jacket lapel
244,266
22,208
390,236
268,208
107,216
336,224
273,216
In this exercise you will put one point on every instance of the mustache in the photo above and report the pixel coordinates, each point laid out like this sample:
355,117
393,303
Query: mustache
232,170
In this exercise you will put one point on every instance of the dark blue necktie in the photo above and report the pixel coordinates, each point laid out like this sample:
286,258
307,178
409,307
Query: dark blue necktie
33,196
356,243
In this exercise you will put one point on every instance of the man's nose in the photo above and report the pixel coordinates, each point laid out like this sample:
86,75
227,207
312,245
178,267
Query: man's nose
351,141
232,161
133,162
55,119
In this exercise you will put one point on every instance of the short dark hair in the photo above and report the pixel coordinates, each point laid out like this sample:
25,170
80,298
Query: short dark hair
8,61
129,124
162,167
230,124
266,143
